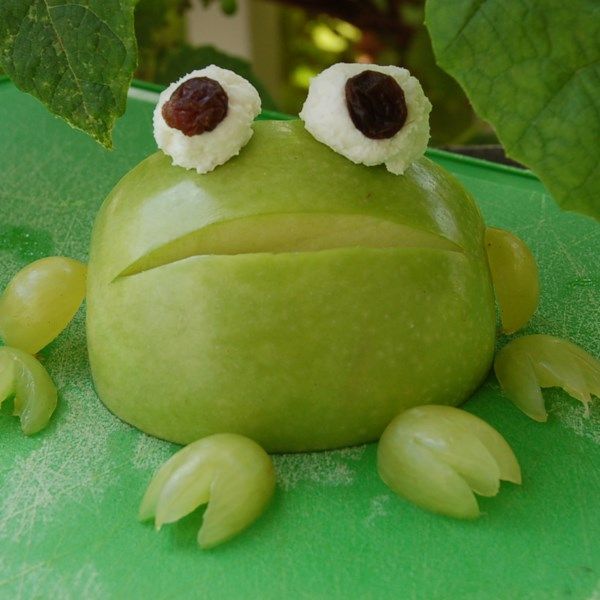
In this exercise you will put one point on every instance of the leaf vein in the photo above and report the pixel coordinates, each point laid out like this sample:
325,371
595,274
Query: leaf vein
60,41
469,19
552,97
97,16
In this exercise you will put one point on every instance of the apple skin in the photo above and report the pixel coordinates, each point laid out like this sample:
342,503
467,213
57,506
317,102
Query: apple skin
296,350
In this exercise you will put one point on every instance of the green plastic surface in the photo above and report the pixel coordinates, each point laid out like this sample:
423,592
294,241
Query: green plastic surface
69,496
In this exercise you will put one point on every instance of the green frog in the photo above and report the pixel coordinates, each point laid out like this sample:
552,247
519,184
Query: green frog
291,300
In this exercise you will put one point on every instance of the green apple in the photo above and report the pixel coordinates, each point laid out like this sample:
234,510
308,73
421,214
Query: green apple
290,295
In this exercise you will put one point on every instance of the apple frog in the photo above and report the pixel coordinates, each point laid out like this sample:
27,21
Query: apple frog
260,287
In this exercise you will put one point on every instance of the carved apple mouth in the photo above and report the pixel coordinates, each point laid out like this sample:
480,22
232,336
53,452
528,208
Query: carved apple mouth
289,233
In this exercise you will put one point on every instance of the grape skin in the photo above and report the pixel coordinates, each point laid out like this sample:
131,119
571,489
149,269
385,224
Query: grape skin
40,301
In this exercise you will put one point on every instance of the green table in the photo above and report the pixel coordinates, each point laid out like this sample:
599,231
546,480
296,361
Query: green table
69,496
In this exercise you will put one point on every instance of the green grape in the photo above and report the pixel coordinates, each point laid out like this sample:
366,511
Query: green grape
437,456
40,301
35,395
532,362
230,472
515,276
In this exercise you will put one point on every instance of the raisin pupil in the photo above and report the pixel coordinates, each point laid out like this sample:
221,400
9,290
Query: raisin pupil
196,106
376,104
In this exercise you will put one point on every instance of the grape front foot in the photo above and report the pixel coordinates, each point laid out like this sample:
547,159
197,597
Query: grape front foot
437,456
35,396
231,473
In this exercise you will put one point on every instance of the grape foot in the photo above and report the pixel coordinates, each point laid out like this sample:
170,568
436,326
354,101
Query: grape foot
35,395
437,456
527,364
40,301
515,277
230,472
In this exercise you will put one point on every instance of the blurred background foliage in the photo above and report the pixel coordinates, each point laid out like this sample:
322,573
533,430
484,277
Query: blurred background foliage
307,37
164,54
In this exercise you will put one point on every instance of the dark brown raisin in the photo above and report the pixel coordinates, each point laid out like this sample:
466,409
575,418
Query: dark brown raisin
196,106
376,104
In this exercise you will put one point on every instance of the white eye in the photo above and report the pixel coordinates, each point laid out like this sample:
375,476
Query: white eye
369,114
205,118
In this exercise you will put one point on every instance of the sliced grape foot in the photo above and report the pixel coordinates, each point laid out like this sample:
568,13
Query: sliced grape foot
230,472
35,397
527,364
437,456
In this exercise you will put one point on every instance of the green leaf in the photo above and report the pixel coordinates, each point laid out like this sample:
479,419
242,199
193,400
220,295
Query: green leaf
76,56
531,68
186,58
